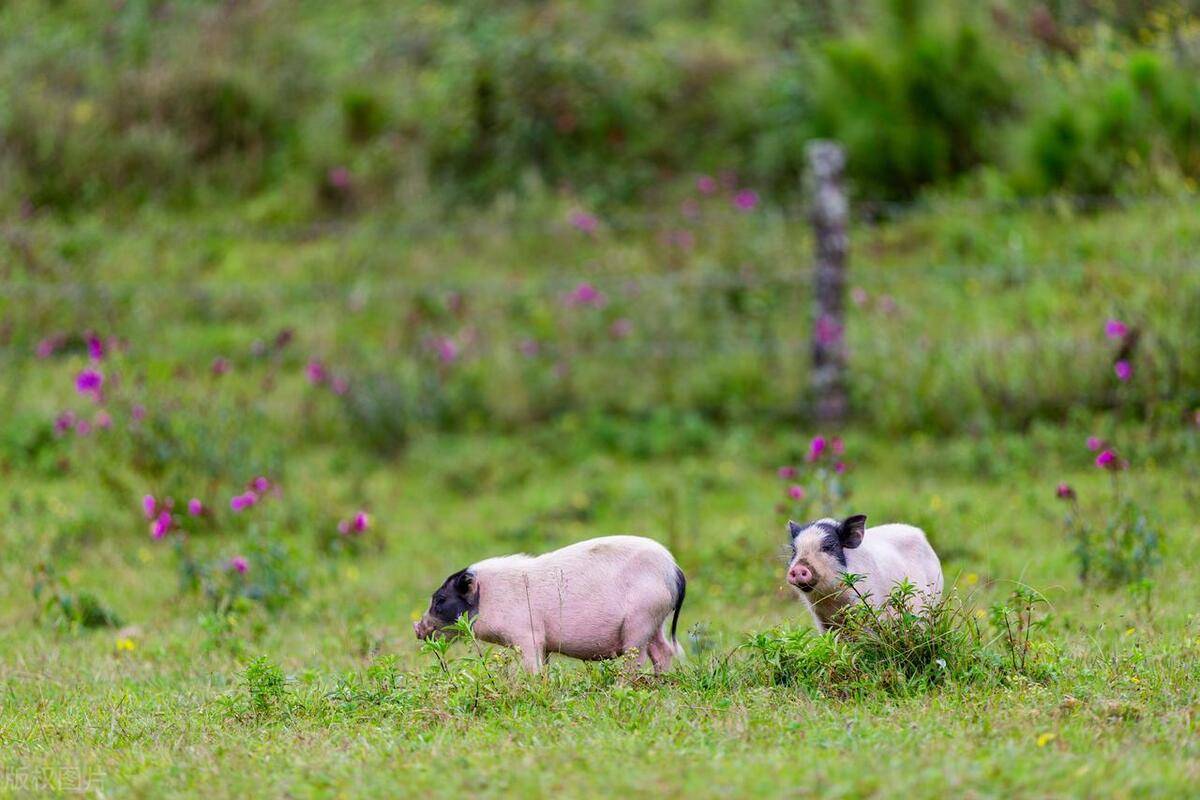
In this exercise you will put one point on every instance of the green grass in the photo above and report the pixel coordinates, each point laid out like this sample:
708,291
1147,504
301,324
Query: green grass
1112,715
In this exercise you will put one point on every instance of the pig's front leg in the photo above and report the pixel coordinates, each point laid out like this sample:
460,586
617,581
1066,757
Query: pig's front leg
532,656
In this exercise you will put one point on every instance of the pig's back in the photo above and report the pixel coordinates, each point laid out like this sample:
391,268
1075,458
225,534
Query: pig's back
902,551
587,592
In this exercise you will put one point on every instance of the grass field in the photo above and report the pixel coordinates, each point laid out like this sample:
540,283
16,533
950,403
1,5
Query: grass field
135,666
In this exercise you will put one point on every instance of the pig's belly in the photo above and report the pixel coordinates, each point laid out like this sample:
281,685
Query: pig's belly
599,641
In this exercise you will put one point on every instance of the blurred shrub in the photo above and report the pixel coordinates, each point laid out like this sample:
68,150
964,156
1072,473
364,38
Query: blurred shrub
1116,133
914,99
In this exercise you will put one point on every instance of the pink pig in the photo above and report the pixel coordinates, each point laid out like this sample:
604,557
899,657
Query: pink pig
592,600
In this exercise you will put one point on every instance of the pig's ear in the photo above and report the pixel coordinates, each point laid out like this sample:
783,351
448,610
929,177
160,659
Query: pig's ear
851,533
794,529
464,584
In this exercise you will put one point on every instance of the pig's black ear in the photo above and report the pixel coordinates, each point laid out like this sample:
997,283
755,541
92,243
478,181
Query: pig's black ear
464,584
851,533
794,529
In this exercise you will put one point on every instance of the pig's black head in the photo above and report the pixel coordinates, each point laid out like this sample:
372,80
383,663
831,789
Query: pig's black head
458,595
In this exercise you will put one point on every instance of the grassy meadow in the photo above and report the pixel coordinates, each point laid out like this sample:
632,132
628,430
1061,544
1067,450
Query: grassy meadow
136,666
305,306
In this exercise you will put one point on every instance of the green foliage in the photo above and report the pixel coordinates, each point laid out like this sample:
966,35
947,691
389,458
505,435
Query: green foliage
74,609
1136,130
915,100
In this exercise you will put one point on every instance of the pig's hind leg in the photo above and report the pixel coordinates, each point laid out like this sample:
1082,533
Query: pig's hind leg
639,632
661,651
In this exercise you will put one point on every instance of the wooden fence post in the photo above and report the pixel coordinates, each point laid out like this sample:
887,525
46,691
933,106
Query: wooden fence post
830,213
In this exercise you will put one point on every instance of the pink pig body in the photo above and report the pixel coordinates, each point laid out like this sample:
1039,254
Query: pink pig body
592,600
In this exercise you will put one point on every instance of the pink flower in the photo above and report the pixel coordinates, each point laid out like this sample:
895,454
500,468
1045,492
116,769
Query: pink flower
706,184
149,506
1124,370
795,491
64,422
239,564
240,502
745,200
315,371
1115,329
584,222
138,412
220,366
339,178
162,525
260,485
828,331
83,427
1094,443
360,522
1106,460
1064,492
839,467
95,347
786,473
585,294
89,383
195,507
446,349
339,385
816,448
102,420
48,346
621,328
838,446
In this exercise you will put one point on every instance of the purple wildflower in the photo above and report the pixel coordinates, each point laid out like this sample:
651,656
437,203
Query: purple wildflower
1124,370
89,383
195,507
149,506
584,222
828,330
102,420
621,328
1115,329
48,346
446,349
1106,460
240,502
95,347
338,178
83,427
706,184
839,467
315,371
220,366
816,448
64,422
795,491
162,525
260,485
745,200
786,473
585,294
339,385
138,412
239,564
1094,443
1064,492
360,523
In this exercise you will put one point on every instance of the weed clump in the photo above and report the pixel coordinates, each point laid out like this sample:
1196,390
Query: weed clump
899,649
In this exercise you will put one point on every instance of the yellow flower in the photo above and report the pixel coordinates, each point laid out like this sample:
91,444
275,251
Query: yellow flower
1046,738
972,579
1128,631
979,612
125,644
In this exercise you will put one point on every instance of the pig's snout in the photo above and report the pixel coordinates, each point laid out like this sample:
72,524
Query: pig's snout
422,628
801,576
